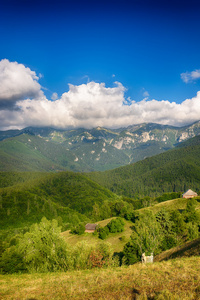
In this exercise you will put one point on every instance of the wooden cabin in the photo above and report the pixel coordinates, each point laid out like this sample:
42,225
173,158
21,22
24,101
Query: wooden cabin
90,227
189,194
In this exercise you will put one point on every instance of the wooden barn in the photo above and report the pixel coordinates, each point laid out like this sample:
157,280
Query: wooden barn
189,194
90,227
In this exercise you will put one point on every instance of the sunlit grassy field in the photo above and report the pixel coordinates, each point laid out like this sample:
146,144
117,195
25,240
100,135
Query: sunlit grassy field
179,203
113,238
173,279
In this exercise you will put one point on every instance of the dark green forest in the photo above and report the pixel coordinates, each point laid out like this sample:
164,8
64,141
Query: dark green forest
65,194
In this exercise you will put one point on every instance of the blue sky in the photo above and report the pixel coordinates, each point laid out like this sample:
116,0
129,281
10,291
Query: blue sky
143,45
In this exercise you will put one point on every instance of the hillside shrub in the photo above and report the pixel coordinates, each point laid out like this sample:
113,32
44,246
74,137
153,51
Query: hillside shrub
191,214
131,253
79,229
169,241
103,232
193,231
12,261
101,256
96,259
178,225
79,256
147,233
122,238
147,237
86,256
116,225
169,238
130,216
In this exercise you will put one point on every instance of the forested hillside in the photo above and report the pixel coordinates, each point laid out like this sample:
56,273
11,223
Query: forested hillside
68,195
27,152
173,171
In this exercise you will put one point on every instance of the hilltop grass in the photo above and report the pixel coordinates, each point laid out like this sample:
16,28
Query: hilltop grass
113,238
179,203
173,279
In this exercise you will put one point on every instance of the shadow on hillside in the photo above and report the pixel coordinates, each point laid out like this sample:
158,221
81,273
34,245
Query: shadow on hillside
188,249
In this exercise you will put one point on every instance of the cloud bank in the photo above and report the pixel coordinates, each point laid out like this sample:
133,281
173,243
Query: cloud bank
87,105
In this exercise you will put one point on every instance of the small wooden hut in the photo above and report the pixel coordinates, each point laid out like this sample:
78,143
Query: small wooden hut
189,194
90,227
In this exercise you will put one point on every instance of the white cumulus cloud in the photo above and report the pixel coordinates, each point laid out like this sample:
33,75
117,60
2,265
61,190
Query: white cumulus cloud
190,76
86,105
17,82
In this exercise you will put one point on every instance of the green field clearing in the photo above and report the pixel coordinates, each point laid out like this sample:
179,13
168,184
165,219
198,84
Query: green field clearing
113,238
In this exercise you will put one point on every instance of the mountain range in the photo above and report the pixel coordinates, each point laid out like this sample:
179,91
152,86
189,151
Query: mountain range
85,150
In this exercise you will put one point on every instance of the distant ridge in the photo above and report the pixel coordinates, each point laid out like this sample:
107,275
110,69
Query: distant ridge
84,150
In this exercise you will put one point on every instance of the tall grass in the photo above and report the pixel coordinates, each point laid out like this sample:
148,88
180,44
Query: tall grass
173,279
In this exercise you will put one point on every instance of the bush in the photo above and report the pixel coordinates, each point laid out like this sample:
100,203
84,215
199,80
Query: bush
106,251
131,253
116,225
12,261
79,256
130,216
85,256
193,231
169,241
103,232
79,229
96,259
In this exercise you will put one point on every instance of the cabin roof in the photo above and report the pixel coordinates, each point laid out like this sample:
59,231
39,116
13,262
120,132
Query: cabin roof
90,226
189,193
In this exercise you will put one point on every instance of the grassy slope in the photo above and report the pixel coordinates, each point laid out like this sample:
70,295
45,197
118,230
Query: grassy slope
113,238
180,277
191,248
179,203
